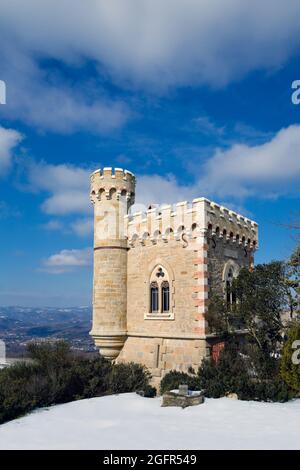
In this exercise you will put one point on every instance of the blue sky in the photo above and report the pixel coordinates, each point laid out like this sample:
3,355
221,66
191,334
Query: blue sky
195,100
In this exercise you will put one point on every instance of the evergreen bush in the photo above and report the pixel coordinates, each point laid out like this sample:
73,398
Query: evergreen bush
239,373
129,377
174,378
55,376
247,373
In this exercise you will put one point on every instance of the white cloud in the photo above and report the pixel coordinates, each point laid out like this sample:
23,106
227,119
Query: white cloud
228,133
63,110
68,260
9,139
67,202
157,43
83,227
48,101
161,190
206,126
265,170
53,225
67,187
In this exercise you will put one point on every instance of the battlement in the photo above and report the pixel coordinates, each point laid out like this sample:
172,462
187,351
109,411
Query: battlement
199,216
226,223
109,183
171,221
118,173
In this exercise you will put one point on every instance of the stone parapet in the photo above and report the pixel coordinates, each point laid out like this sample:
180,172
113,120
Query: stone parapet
186,219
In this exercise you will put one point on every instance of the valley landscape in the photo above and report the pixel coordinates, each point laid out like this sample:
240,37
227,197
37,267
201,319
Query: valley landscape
19,325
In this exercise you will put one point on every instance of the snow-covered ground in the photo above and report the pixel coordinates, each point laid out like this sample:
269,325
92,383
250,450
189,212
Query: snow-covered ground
129,421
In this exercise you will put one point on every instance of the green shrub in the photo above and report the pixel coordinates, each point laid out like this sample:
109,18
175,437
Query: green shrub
128,377
174,378
55,376
19,390
289,371
240,374
228,375
147,392
66,376
270,390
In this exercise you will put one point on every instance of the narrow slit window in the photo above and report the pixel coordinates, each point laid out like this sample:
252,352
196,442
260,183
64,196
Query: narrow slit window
165,292
229,288
230,292
154,297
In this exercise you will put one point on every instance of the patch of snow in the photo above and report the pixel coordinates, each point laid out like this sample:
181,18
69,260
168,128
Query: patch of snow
129,421
191,393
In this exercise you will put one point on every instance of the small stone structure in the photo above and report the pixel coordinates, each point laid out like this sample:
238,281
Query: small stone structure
183,397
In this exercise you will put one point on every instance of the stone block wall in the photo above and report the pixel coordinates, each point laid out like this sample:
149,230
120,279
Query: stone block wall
161,355
180,266
220,252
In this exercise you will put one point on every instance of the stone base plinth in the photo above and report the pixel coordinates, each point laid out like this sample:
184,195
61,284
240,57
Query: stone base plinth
109,345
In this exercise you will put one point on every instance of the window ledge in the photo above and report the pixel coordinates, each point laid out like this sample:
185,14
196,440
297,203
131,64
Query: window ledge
159,316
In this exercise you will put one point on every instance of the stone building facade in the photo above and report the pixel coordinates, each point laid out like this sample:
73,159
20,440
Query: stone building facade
154,273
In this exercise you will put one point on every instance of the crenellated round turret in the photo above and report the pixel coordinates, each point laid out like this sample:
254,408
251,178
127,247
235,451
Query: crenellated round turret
112,193
113,184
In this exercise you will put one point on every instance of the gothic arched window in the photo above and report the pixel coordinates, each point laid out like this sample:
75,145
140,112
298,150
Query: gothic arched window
154,298
160,299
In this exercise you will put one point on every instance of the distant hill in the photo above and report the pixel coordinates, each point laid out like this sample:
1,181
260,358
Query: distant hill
18,325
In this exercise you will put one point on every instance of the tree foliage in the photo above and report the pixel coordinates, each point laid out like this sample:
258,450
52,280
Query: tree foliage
251,370
260,299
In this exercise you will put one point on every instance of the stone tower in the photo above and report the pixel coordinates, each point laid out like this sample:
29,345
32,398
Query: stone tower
112,194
